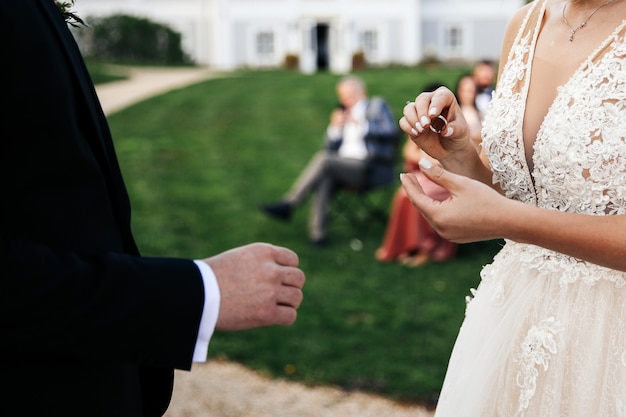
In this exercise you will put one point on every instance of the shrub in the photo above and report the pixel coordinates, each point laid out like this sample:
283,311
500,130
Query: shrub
132,40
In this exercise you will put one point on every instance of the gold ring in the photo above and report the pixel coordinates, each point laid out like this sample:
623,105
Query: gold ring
438,124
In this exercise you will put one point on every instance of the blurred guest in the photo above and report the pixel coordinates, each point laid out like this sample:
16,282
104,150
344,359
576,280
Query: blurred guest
360,150
466,93
484,74
409,238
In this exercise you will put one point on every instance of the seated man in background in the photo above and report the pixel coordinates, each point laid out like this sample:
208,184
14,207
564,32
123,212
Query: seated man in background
360,151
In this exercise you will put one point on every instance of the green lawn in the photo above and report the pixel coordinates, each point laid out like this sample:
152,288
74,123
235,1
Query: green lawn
199,161
102,73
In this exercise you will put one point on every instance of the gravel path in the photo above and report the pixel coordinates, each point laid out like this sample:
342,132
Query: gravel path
224,389
145,82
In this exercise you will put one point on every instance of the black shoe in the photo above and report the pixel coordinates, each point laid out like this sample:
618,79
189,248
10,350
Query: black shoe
320,242
281,211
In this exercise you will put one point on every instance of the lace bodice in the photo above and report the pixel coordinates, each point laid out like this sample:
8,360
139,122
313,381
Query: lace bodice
579,155
580,151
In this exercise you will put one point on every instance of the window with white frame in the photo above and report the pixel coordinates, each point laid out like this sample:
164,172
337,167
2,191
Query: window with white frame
453,39
265,44
369,44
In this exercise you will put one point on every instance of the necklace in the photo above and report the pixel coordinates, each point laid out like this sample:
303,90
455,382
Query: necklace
572,31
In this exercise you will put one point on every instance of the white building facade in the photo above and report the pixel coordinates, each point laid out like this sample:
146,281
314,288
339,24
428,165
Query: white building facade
324,34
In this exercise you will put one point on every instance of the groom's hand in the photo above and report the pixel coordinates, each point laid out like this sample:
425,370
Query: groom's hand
260,285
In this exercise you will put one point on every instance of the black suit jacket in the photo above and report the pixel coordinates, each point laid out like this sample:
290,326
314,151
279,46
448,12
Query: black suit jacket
87,326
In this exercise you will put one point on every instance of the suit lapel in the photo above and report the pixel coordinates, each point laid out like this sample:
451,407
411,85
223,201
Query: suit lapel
98,134
80,73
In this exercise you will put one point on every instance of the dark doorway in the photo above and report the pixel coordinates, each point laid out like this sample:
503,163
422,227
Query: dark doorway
320,35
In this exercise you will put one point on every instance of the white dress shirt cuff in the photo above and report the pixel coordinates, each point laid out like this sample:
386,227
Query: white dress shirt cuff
210,311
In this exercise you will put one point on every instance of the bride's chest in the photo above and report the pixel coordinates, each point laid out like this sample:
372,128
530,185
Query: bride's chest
576,160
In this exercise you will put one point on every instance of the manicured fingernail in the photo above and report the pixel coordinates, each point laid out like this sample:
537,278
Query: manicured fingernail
425,121
425,163
414,132
432,111
449,131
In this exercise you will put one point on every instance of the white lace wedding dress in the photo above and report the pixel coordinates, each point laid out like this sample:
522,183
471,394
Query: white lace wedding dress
545,333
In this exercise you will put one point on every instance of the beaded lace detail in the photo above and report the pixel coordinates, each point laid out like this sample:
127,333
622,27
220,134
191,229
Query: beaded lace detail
534,355
569,269
579,155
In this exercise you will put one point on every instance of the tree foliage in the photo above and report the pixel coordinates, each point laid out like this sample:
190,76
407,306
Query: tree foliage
132,40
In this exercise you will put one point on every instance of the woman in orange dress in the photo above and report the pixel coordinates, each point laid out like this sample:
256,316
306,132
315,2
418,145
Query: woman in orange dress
409,238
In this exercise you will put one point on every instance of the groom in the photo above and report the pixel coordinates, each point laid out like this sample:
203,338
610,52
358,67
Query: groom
89,327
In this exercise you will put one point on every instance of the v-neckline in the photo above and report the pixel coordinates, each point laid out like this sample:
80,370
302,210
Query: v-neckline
527,163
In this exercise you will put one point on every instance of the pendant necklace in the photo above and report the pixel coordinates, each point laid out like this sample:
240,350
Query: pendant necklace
572,31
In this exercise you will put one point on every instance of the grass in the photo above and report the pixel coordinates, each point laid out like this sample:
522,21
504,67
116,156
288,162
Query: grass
102,72
199,161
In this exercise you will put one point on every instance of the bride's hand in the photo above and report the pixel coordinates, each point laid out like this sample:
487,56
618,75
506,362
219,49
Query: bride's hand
473,212
420,114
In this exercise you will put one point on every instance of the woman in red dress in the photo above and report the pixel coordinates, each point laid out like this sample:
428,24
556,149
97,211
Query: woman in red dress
409,238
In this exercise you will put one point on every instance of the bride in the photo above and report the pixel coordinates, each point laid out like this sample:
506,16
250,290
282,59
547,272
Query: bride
545,331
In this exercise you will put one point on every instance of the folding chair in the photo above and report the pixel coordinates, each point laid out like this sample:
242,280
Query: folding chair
363,204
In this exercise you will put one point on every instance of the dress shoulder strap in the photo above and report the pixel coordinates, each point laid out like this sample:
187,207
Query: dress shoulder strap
522,49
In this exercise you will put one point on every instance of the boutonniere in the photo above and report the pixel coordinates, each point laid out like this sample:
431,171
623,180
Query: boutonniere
70,17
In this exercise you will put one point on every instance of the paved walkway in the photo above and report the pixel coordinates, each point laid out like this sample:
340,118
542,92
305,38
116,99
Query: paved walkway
225,389
146,82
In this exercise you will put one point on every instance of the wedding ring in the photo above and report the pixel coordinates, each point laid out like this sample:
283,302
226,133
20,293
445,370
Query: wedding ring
438,124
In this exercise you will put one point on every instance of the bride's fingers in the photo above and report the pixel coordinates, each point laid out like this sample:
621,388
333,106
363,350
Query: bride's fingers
414,191
440,101
410,121
430,111
410,128
422,106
